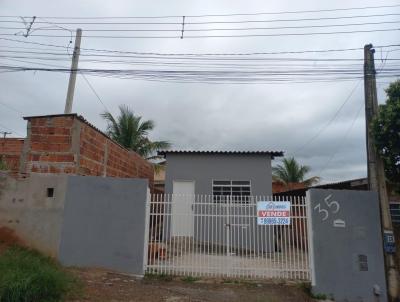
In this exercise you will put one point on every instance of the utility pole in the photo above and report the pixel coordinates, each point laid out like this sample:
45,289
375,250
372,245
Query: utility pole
5,133
376,173
74,70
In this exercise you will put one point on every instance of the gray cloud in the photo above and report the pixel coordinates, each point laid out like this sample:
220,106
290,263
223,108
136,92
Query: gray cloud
206,116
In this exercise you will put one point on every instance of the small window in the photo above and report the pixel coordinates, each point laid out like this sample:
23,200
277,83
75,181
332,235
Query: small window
395,212
363,263
50,192
236,191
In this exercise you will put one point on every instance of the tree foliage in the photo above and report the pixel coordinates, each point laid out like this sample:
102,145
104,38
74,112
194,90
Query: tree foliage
290,171
132,132
386,133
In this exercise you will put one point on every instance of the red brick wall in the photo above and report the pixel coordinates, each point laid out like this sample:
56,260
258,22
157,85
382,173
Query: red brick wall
50,145
92,146
10,152
69,144
100,155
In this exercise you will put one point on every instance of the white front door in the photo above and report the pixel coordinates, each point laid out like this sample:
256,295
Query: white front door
182,208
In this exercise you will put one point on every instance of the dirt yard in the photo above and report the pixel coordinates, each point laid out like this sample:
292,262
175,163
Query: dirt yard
104,286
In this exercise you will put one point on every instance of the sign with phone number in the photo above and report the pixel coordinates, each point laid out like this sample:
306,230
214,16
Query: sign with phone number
273,213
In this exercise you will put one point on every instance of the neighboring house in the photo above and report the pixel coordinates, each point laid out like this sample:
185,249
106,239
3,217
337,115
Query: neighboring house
159,178
360,184
69,144
219,173
278,186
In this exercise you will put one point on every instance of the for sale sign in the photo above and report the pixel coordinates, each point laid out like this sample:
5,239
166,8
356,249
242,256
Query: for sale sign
273,212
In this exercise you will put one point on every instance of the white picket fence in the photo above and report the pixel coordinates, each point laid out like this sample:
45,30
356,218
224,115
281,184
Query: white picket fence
210,236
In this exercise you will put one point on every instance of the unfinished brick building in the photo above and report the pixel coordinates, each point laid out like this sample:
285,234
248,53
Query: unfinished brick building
67,143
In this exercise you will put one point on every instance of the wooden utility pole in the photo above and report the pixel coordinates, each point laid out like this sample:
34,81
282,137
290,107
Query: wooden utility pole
376,173
74,70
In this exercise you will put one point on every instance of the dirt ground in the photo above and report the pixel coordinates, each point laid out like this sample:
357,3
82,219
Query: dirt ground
101,286
104,286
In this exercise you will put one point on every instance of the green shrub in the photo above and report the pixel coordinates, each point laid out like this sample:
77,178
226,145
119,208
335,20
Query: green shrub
28,276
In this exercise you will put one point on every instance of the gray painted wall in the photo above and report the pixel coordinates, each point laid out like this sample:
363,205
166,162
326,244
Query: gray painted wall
203,168
335,250
25,208
104,221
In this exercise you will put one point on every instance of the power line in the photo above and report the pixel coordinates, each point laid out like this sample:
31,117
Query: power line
94,91
11,108
213,29
218,36
322,129
344,138
209,22
56,56
204,81
203,54
9,129
231,76
220,15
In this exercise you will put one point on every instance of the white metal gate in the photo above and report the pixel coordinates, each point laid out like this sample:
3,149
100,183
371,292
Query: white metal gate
226,240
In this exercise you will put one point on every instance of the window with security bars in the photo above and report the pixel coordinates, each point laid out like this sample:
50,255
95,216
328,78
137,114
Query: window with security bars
234,190
395,212
363,263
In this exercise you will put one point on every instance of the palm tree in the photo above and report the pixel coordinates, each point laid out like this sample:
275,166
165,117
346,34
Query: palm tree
292,172
132,132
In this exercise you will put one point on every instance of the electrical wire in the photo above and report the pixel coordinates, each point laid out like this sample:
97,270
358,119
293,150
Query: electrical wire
94,91
218,36
220,15
11,108
210,22
324,127
342,140
212,29
203,54
9,129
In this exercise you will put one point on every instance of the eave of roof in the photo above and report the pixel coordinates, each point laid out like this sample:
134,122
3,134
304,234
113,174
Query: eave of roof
211,152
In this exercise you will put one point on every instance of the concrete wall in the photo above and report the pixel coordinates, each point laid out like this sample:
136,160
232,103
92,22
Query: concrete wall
339,236
104,223
89,221
25,208
204,168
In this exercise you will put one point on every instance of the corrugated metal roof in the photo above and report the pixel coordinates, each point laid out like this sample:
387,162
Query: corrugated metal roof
210,152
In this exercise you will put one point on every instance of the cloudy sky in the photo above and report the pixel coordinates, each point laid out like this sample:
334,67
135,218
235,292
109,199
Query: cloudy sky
302,119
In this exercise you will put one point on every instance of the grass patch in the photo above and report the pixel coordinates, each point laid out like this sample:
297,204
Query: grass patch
190,279
230,281
158,277
28,276
306,287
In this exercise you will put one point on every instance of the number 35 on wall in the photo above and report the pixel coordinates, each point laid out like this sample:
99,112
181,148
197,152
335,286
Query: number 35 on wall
333,206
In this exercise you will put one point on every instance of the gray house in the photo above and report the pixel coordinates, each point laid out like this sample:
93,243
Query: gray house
236,173
212,188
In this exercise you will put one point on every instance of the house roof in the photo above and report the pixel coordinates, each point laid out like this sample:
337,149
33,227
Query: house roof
352,184
211,152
